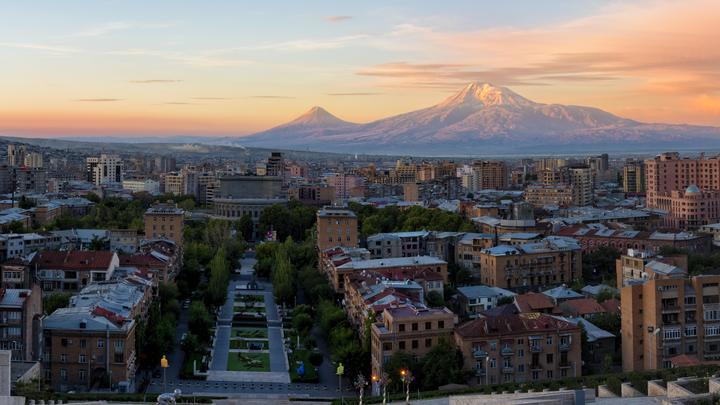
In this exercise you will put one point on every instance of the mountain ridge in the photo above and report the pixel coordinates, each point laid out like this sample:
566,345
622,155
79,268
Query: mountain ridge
480,117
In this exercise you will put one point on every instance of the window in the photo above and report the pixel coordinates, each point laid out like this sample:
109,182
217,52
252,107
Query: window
441,324
712,330
691,330
82,375
493,362
63,358
401,345
401,327
83,343
428,342
521,352
548,341
63,374
100,343
535,375
549,358
428,325
521,368
549,374
414,326
414,344
493,346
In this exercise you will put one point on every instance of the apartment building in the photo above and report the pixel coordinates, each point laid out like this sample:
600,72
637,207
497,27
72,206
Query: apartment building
433,270
20,311
165,221
641,265
488,174
105,169
70,271
398,244
549,194
592,237
520,348
666,320
554,260
86,348
336,226
634,177
408,329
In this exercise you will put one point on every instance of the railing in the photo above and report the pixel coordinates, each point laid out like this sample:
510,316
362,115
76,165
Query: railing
535,348
564,347
508,370
507,351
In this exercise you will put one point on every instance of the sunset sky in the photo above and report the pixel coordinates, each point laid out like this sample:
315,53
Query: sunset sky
179,67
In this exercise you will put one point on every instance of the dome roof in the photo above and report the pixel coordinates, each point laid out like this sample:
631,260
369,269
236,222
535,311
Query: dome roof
692,189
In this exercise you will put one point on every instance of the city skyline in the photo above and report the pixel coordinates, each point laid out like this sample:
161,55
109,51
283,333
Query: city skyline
130,69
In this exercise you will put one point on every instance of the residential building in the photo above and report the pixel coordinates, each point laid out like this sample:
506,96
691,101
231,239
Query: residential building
317,195
70,271
84,347
520,348
475,299
408,329
336,226
124,240
549,194
30,179
689,209
149,186
487,174
592,237
105,169
666,320
16,154
553,261
398,244
634,177
165,221
33,160
20,311
638,265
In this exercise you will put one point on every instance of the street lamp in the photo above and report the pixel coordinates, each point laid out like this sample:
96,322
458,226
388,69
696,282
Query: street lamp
360,384
340,371
383,382
164,364
406,377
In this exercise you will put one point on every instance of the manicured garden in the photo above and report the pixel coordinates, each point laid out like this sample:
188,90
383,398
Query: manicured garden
249,344
248,362
310,360
249,333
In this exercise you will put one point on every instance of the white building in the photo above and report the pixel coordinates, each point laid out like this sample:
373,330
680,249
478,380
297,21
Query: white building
106,169
142,185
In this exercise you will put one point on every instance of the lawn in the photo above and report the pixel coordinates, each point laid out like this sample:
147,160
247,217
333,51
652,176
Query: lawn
250,310
245,344
187,368
259,333
248,362
310,375
249,298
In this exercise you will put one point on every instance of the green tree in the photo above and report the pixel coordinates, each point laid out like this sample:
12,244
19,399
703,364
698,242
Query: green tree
400,361
245,227
55,301
219,279
434,299
16,227
442,365
302,323
199,322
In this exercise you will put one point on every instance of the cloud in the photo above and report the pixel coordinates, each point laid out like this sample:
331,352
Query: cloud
55,49
178,103
354,94
273,97
207,58
97,100
305,44
211,98
337,18
154,81
114,26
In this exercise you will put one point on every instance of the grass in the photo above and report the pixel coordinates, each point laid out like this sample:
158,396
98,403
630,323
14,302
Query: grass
248,362
245,344
252,310
259,333
310,375
249,298
187,367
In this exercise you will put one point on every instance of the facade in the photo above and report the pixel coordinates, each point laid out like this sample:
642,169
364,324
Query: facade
549,194
595,236
520,348
124,240
70,271
20,311
142,185
336,227
165,221
408,329
488,174
663,318
16,154
398,244
689,209
30,180
86,347
317,195
638,265
552,261
475,299
33,160
106,169
247,195
634,177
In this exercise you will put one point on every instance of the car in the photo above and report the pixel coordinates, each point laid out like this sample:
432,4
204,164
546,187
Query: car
183,337
186,304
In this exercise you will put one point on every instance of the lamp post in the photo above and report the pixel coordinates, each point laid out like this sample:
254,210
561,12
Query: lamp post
383,382
360,384
340,371
406,377
164,364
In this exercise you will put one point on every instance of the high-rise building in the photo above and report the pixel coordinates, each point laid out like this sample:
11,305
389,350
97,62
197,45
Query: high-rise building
488,174
276,165
104,170
16,155
30,180
164,164
581,178
634,177
336,227
34,160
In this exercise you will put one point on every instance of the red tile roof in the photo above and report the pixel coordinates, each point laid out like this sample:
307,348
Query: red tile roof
582,307
141,260
74,260
513,324
611,306
534,302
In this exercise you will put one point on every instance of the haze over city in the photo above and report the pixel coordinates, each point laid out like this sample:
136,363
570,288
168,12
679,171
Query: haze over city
129,68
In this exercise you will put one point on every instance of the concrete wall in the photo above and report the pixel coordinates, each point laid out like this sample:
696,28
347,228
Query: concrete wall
628,391
656,388
675,390
714,385
604,392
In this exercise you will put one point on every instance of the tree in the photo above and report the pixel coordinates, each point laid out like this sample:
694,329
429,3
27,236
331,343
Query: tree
442,365
25,203
190,344
302,323
400,361
199,322
187,204
55,301
219,279
16,227
434,299
245,227
606,294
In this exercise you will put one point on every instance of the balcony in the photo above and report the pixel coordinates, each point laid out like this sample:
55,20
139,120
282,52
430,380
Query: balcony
536,348
480,354
564,347
508,370
670,309
507,351
479,372
565,365
535,366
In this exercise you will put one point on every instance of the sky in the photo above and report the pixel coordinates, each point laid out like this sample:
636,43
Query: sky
233,67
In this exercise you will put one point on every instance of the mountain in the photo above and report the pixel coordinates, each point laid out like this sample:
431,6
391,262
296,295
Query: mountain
481,118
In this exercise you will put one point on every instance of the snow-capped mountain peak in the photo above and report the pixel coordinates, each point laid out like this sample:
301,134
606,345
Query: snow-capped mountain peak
479,94
316,116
